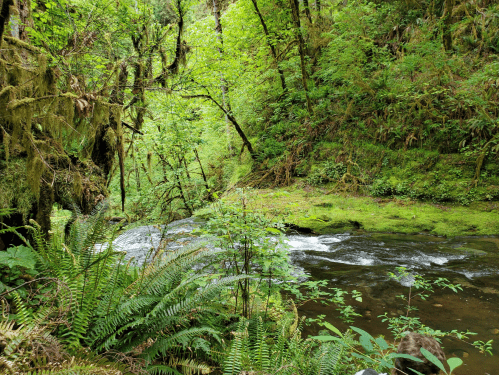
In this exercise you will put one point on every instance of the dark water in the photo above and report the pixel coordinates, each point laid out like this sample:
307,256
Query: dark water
362,261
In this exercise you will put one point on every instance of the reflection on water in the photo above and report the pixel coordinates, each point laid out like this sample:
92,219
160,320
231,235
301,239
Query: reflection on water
362,261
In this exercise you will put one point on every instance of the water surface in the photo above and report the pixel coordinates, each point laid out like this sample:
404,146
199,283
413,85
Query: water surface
362,261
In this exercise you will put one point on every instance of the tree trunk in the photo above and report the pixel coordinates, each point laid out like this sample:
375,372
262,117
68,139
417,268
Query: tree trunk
223,85
307,10
271,46
210,195
295,11
4,17
232,119
318,6
447,18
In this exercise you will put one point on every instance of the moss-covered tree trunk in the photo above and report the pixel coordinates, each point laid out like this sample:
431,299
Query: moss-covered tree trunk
447,25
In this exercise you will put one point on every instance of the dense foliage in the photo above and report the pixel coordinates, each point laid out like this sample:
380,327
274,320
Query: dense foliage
158,105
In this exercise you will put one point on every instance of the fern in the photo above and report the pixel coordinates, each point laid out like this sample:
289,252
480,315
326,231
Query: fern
260,349
233,363
254,350
155,315
33,350
328,357
23,315
87,274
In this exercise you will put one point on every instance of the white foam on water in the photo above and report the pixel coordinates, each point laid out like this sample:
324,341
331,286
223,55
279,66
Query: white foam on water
356,262
330,239
427,260
301,243
351,261
407,281
472,274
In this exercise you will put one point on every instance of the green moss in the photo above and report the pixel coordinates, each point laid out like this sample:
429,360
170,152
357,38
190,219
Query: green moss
237,171
14,187
308,208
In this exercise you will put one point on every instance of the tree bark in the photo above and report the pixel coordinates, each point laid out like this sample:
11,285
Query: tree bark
179,50
4,17
295,12
271,46
210,195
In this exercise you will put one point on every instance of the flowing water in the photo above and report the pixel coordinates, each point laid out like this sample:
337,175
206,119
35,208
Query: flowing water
362,261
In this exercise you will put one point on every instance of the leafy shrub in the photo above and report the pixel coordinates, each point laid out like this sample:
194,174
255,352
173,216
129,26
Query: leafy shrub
330,171
270,148
254,247
381,188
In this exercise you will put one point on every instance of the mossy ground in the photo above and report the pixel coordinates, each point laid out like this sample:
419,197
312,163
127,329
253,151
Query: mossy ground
312,208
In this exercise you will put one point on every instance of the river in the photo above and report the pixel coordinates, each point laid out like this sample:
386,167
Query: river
362,261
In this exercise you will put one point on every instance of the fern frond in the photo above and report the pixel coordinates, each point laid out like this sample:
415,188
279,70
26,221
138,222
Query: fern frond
23,315
261,353
233,363
184,338
328,355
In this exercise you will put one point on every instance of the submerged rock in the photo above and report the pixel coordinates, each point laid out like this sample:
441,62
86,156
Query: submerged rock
471,251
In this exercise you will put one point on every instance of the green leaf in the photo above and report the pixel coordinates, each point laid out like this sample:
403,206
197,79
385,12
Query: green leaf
21,256
362,332
326,338
366,343
333,328
430,357
382,343
454,362
363,357
416,372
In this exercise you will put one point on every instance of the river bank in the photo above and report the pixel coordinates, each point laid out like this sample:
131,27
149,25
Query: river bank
316,210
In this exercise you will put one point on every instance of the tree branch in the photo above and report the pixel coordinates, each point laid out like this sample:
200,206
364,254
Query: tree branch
231,118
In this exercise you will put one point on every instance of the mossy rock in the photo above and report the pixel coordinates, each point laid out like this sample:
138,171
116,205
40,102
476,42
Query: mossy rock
324,218
331,226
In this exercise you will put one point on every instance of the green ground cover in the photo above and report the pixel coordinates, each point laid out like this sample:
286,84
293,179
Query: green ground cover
315,209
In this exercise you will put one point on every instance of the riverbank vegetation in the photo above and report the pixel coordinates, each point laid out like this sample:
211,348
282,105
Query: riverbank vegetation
342,115
78,306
